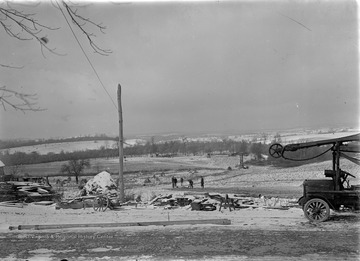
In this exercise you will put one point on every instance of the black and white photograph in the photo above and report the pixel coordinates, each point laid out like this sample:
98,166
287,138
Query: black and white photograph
179,130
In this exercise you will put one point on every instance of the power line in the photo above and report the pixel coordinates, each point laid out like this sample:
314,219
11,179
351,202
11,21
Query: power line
87,58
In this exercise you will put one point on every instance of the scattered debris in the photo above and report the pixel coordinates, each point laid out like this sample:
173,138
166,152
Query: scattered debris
202,205
102,185
76,203
163,200
210,202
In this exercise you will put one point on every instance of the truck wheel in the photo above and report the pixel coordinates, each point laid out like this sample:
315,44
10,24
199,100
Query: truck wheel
317,210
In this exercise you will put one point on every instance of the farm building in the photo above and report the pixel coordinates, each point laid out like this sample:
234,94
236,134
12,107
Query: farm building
3,177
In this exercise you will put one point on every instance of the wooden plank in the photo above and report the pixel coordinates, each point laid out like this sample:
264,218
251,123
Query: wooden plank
128,224
11,204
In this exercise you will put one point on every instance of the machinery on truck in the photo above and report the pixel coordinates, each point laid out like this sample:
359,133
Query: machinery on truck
334,191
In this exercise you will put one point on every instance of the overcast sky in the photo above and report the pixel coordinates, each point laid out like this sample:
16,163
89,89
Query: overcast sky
194,67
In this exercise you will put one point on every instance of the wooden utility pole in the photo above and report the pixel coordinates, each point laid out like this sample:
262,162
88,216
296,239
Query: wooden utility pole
121,149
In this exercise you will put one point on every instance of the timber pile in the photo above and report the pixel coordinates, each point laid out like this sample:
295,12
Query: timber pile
25,192
7,192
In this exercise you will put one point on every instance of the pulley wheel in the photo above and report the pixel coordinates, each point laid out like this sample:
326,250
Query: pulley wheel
275,150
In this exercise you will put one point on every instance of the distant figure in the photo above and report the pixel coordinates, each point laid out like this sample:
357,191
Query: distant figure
181,181
191,183
202,182
175,182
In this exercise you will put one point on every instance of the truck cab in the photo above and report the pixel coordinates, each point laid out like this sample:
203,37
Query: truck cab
320,195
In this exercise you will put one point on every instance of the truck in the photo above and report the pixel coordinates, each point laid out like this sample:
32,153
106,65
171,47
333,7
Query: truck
334,192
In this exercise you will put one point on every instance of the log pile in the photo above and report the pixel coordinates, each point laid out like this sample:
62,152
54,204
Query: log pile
7,192
25,192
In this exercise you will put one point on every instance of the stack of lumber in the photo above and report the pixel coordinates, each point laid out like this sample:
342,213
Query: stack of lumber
25,191
7,192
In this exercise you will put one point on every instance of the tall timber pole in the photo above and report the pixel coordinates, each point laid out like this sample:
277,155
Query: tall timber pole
121,149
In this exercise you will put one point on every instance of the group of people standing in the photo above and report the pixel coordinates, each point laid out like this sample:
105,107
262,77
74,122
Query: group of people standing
190,181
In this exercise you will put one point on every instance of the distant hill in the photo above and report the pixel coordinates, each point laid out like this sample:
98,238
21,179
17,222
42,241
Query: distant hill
92,143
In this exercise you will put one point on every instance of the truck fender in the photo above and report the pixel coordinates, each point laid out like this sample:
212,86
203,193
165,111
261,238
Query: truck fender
302,201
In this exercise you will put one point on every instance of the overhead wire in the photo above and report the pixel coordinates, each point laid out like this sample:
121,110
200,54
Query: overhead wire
86,56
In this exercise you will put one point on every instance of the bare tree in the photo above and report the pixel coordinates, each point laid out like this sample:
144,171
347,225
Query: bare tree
264,137
185,141
24,26
15,169
75,167
277,138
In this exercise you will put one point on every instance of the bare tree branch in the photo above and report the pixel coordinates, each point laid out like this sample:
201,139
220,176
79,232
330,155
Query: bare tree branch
18,101
24,26
10,66
80,22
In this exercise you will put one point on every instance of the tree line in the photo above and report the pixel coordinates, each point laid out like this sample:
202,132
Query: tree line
172,149
165,149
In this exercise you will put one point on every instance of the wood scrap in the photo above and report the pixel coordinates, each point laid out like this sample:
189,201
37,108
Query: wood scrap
151,223
44,203
279,207
11,204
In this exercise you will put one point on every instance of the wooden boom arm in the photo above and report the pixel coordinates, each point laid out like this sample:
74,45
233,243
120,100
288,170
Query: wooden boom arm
296,146
276,150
